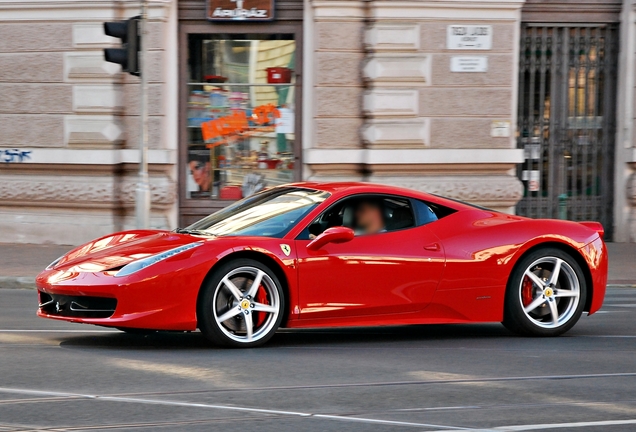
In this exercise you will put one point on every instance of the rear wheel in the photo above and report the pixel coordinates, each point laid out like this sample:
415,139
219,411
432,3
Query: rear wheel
546,294
242,304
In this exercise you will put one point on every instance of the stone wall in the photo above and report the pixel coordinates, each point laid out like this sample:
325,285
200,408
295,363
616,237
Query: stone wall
420,126
69,121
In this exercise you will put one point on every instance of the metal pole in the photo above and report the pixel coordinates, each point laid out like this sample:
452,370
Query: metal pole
142,205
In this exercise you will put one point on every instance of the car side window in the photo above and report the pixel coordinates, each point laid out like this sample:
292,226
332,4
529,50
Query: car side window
365,214
424,212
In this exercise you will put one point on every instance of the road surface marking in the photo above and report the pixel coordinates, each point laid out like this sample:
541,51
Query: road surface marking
609,336
389,422
121,399
517,406
396,383
447,408
565,425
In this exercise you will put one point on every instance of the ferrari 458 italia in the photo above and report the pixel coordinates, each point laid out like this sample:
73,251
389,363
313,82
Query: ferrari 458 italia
333,255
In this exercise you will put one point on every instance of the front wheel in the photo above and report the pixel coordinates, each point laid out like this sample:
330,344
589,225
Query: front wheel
546,294
242,304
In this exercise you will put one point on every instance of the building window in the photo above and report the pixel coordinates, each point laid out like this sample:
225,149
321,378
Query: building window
240,114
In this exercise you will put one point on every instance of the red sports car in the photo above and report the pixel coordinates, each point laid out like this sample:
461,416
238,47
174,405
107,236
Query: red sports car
330,255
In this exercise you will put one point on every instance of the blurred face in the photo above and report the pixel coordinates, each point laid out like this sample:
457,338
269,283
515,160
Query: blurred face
201,174
369,218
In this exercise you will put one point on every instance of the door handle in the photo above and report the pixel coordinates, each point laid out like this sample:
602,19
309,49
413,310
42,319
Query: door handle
432,247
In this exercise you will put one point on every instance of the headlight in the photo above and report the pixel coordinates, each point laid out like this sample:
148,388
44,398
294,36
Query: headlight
54,263
135,266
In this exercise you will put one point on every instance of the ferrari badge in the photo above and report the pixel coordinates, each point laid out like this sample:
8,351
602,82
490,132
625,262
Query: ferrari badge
286,249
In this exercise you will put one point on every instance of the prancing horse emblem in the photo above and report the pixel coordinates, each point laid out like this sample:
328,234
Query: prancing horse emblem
286,249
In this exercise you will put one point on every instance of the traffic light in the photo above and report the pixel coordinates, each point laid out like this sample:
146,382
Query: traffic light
128,55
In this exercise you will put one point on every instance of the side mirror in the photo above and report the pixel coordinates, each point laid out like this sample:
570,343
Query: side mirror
331,235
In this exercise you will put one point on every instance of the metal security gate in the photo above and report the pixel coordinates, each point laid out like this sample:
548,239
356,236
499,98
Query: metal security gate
567,98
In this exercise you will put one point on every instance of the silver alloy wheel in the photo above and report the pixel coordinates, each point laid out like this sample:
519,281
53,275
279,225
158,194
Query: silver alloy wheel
552,292
236,309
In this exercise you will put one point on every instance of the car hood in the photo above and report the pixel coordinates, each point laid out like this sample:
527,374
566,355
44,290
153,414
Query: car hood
117,250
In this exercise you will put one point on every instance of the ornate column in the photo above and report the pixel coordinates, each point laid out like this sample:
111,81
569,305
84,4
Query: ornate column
625,157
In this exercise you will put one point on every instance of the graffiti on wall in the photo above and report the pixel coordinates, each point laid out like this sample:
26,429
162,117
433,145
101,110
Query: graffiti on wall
14,155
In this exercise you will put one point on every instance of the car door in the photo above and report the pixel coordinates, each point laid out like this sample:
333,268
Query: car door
390,272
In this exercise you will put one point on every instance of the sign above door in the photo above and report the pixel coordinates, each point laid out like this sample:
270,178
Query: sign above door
240,10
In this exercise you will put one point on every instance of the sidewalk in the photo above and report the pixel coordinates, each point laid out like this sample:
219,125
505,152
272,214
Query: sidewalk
20,263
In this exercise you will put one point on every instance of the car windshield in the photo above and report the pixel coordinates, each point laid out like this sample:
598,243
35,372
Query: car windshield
271,213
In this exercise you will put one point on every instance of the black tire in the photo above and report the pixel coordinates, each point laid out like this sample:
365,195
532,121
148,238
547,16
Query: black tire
262,306
529,308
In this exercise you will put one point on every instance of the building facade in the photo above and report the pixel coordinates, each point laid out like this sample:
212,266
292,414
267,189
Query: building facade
521,106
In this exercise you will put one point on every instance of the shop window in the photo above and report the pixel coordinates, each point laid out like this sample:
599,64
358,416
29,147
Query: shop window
240,114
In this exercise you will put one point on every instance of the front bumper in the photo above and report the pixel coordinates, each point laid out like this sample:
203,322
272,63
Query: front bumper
76,306
165,302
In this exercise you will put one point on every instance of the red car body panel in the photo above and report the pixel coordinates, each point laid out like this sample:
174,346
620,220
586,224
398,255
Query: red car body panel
453,270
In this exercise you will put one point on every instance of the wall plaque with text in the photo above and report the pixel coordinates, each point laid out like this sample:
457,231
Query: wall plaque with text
240,10
469,37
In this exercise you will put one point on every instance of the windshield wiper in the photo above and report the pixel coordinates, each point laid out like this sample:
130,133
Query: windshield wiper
193,232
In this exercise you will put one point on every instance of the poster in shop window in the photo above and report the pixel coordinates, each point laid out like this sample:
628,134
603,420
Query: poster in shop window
240,10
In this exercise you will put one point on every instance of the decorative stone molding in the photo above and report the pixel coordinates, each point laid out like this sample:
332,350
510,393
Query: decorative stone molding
91,36
396,68
392,37
94,131
105,98
338,10
402,10
559,11
82,191
68,226
494,190
390,102
89,157
163,192
423,156
90,65
79,10
397,133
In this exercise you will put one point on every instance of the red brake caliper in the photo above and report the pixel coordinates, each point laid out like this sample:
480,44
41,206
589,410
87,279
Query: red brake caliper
261,297
527,289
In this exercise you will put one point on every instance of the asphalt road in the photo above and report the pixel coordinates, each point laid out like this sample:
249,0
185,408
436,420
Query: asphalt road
62,377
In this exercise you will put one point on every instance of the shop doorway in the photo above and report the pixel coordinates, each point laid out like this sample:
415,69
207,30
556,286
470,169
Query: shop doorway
567,98
240,113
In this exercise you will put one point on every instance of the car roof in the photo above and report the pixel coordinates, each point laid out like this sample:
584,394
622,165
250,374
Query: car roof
358,187
341,189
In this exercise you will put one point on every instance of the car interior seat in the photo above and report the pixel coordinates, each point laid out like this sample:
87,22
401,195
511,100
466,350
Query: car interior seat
348,217
401,217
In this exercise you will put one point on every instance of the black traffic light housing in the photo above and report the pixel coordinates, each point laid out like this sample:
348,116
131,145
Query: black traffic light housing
128,55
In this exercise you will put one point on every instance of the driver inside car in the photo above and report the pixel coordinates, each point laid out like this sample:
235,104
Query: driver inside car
366,216
369,218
